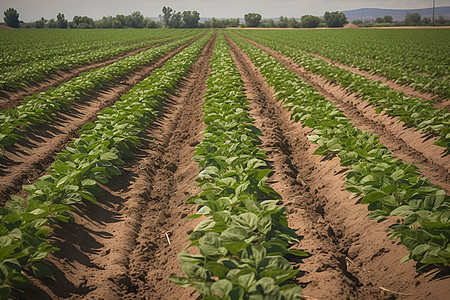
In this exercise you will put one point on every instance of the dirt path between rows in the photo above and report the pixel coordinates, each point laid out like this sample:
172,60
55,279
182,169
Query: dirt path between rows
119,248
9,99
28,159
405,143
407,90
351,255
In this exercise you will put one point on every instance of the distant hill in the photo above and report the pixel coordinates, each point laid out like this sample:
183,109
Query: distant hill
370,14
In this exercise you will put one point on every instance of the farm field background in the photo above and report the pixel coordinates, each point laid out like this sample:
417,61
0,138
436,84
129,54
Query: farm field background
317,158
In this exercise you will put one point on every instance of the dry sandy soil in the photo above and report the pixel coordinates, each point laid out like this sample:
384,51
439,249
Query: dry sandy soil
120,248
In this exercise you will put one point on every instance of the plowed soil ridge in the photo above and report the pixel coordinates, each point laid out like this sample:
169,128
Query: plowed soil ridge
407,90
405,143
9,99
27,160
119,249
351,256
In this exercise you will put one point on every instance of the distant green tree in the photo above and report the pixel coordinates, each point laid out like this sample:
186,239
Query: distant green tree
252,19
216,23
426,21
52,24
357,22
40,23
267,23
293,23
61,21
166,16
11,18
387,19
379,20
108,22
413,19
149,23
177,20
335,19
122,20
283,22
136,20
309,21
83,22
191,18
440,20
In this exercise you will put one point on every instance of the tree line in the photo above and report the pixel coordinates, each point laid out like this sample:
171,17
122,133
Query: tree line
411,19
191,19
329,19
168,19
173,19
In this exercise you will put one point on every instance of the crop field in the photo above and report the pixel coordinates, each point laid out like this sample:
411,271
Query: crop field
225,164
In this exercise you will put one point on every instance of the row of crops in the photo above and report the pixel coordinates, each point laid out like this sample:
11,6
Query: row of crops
40,108
412,111
389,186
90,159
418,58
32,55
243,239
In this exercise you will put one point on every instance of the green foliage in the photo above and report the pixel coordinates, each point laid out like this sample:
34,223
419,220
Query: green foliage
220,23
417,58
244,239
387,19
335,19
171,18
252,19
11,17
38,108
41,53
411,111
61,21
82,22
389,186
309,21
166,16
136,20
91,159
52,24
285,22
190,19
413,19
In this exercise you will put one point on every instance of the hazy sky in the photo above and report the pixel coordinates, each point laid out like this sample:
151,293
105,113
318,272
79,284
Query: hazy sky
31,10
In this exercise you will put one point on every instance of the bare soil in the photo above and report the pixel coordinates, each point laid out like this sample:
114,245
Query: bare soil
27,160
120,249
407,90
9,99
126,247
405,142
351,256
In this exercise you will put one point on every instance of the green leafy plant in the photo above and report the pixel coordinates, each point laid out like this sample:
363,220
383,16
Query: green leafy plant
415,58
389,186
243,241
92,158
39,108
411,111
40,53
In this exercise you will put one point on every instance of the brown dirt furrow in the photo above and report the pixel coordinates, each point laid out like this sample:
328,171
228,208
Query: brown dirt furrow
153,259
9,99
28,159
119,249
324,269
351,256
405,143
407,90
